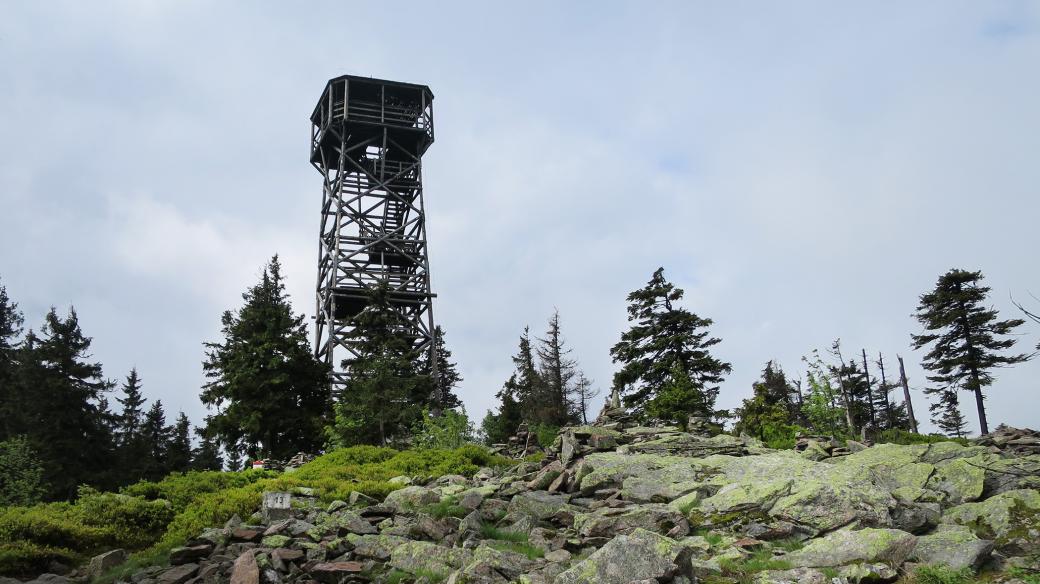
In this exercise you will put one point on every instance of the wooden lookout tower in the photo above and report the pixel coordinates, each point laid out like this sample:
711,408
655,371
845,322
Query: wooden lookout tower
367,141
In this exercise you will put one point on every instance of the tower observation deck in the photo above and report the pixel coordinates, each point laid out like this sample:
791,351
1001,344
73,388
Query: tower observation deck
367,141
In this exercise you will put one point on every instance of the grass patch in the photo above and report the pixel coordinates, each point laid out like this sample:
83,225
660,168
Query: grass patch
1025,575
942,575
759,561
789,544
488,531
448,507
830,573
526,549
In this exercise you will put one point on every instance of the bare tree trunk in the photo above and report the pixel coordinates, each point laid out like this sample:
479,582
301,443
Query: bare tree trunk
889,418
846,397
870,390
906,395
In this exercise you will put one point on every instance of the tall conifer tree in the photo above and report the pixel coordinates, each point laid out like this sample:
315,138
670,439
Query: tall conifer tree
267,389
155,436
966,340
178,450
63,398
448,375
386,391
556,371
10,331
667,348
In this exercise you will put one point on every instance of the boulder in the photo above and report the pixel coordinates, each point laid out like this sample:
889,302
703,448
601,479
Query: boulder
888,546
1001,517
954,546
376,547
652,517
189,554
102,563
794,576
537,504
335,572
245,570
417,556
410,498
627,558
181,574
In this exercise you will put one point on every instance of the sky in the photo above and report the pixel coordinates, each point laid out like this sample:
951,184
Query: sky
804,171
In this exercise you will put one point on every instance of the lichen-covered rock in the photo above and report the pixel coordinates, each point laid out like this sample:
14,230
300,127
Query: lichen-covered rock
628,558
102,563
410,498
508,564
610,522
376,547
1005,517
757,496
417,556
654,489
537,504
961,480
954,546
888,546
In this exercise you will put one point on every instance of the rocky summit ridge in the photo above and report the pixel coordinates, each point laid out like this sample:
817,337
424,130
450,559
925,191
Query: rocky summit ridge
616,502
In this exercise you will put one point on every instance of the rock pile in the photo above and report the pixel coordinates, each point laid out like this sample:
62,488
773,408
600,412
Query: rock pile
620,503
521,444
1014,441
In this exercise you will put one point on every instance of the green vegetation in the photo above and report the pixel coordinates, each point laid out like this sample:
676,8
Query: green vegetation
510,541
452,429
898,436
965,344
1025,575
743,570
21,474
666,367
942,575
447,507
157,516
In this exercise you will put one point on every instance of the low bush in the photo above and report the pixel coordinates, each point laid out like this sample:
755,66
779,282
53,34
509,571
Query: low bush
157,516
898,436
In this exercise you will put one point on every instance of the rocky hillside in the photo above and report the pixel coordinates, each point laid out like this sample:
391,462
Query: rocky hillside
616,502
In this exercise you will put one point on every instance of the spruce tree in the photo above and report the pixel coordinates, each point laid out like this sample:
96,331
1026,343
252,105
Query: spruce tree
946,414
386,391
667,347
448,376
528,386
556,371
133,402
266,387
63,395
207,455
155,435
10,331
769,407
966,340
178,450
498,427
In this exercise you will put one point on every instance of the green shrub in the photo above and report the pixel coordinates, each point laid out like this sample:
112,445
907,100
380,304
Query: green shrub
21,474
157,516
546,433
942,575
22,558
451,430
897,436
780,436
